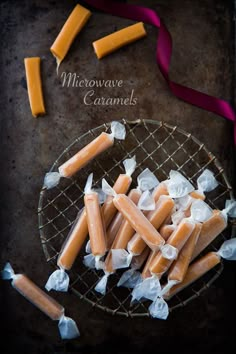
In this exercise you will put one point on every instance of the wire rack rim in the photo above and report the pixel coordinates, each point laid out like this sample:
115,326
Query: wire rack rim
131,123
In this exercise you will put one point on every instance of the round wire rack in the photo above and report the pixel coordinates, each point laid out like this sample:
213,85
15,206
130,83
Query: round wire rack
158,146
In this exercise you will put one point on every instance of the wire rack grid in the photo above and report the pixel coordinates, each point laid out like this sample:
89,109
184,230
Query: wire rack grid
156,145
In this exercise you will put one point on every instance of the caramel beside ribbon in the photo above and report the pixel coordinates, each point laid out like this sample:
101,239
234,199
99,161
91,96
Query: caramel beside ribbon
163,57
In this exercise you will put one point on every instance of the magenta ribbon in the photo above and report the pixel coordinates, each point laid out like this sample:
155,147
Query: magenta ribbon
163,57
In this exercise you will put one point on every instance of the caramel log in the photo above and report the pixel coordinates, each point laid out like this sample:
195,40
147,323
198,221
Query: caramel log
116,40
166,231
115,225
124,234
75,22
179,267
138,261
138,221
89,152
195,271
34,86
121,186
210,230
161,189
113,229
163,208
95,224
178,238
74,242
136,245
156,217
146,272
167,220
37,296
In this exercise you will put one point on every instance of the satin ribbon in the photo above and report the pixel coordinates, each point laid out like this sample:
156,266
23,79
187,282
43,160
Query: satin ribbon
163,57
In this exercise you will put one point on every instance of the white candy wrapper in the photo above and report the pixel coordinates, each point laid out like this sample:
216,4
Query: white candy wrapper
88,185
146,201
130,279
200,211
177,216
101,195
178,186
67,326
8,273
107,189
149,288
183,203
121,258
168,286
169,252
102,284
93,262
206,182
130,165
52,179
118,130
230,208
159,309
228,250
89,261
147,180
58,280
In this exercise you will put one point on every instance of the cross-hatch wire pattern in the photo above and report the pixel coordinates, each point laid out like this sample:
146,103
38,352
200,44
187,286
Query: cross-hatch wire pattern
158,146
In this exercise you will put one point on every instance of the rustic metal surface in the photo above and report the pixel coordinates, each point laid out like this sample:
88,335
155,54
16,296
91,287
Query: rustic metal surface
203,59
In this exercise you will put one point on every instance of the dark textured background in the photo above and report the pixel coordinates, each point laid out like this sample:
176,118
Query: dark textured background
203,58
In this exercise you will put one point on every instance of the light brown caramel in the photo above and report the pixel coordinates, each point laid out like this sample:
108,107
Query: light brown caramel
95,222
195,271
138,221
38,297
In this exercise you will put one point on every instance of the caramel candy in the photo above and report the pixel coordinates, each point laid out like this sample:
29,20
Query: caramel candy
73,25
156,217
195,271
178,238
42,301
138,221
124,234
210,230
34,86
95,224
116,40
179,267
